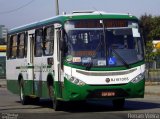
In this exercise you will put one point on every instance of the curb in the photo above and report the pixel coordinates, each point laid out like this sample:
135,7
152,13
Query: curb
3,83
2,86
149,83
151,93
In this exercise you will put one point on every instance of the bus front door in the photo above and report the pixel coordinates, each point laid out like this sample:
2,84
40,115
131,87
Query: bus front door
57,59
30,58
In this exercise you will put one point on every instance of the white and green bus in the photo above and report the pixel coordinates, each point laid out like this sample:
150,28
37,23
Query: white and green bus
77,57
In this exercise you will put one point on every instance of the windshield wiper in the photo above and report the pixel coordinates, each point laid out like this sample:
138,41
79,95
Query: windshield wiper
121,59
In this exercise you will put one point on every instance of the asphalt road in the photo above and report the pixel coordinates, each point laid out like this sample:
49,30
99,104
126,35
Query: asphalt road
11,108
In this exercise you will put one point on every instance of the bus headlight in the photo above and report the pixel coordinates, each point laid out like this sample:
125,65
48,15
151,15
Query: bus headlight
74,80
138,78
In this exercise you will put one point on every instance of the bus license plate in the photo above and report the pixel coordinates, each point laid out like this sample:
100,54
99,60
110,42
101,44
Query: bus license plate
107,94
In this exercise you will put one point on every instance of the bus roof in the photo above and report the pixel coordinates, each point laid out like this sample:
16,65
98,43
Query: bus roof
74,16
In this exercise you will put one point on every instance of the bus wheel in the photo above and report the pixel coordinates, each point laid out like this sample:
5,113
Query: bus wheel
56,103
118,103
24,99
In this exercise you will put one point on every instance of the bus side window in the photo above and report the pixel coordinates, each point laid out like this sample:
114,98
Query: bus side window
38,42
8,47
25,44
13,46
48,41
21,38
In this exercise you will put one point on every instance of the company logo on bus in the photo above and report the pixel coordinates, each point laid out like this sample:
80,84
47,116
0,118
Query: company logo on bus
107,80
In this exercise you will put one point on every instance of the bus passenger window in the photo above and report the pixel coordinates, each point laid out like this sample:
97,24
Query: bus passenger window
38,42
21,38
25,44
9,47
14,46
49,41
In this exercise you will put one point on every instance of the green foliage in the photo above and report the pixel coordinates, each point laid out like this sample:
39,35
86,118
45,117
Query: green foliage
150,27
155,32
149,54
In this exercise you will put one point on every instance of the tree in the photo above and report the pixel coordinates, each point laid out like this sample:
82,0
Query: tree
150,27
146,26
155,31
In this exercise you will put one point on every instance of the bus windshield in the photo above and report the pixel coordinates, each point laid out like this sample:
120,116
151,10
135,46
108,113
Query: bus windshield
103,43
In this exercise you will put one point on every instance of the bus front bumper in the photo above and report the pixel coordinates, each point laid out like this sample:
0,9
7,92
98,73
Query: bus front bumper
73,92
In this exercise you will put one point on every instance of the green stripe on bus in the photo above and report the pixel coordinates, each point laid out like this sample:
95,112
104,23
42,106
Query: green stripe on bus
13,86
25,67
62,19
31,67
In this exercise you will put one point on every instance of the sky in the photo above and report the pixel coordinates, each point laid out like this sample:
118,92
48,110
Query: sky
14,13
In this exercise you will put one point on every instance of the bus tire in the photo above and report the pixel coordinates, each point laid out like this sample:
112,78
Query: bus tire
118,103
24,99
37,99
34,100
56,104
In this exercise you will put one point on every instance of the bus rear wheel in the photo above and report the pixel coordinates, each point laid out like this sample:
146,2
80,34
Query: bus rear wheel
118,103
56,103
